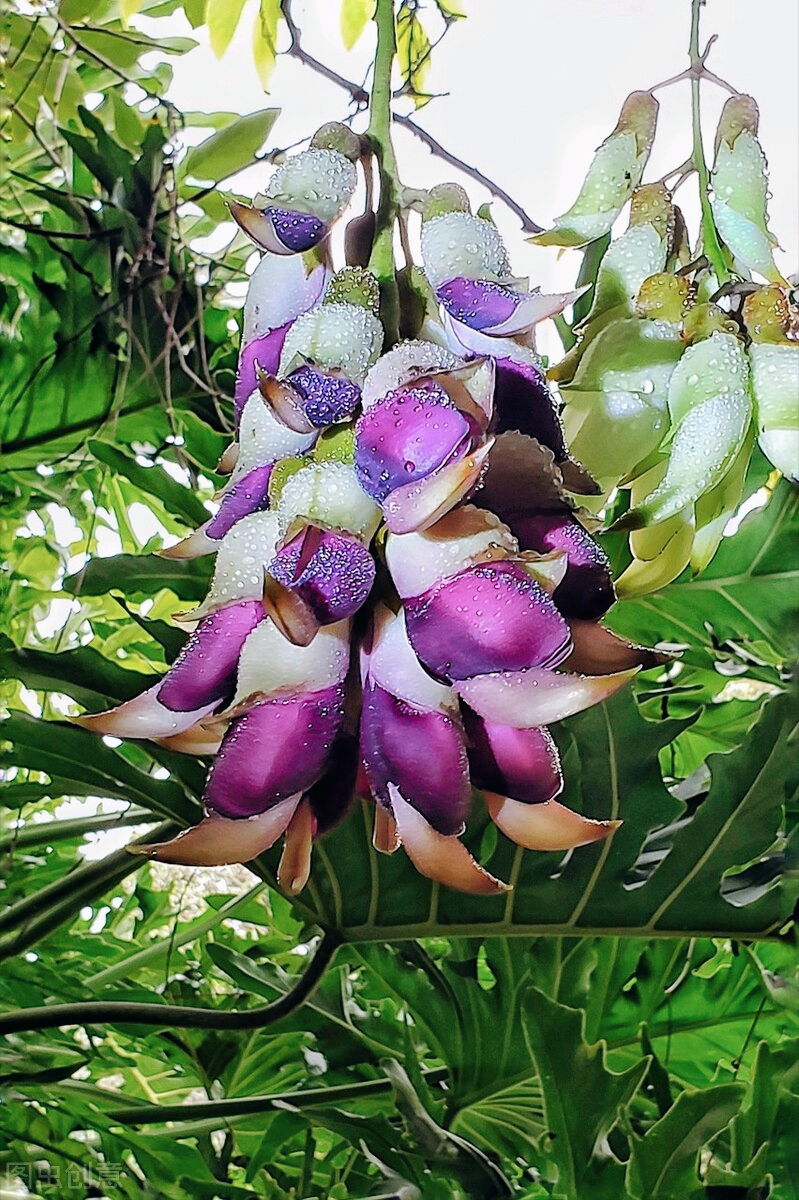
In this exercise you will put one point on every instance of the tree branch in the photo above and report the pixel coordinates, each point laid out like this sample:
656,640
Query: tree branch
98,1012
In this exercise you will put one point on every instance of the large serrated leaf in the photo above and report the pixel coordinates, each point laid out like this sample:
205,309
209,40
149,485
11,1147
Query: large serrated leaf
583,1100
663,1163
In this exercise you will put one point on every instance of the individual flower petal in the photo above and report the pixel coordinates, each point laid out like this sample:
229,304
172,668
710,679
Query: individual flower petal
277,748
614,173
587,587
407,435
272,668
417,506
459,245
205,669
422,751
199,739
522,764
390,661
499,310
334,337
537,696
260,355
548,826
326,398
599,651
465,536
203,675
218,841
328,494
739,183
294,868
404,365
318,181
248,495
332,572
279,230
491,617
263,439
143,717
524,402
444,859
243,556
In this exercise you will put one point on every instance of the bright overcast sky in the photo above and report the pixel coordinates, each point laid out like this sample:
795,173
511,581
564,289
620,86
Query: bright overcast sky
530,87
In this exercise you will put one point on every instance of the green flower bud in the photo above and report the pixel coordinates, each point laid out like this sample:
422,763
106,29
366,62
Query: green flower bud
612,177
740,186
664,297
445,198
338,137
354,285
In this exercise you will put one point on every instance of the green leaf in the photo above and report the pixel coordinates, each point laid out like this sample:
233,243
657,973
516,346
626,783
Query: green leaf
140,575
264,43
583,1100
355,16
154,480
80,764
222,18
663,1163
83,673
232,148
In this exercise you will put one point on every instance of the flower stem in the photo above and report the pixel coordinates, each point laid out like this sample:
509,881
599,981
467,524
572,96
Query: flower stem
381,261
100,1012
710,238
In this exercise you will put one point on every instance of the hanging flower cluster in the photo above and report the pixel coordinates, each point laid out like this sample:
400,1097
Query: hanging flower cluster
404,596
668,386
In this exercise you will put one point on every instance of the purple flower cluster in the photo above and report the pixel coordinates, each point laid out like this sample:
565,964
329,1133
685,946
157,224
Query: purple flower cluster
404,595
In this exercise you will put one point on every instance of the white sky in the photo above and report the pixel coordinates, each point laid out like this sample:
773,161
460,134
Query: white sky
530,89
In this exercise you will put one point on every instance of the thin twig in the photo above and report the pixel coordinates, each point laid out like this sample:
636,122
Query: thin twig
528,224
100,1012
360,97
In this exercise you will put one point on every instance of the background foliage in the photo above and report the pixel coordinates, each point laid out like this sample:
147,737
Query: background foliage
623,1023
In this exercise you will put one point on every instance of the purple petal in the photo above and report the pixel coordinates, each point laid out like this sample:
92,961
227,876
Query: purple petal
327,398
265,352
205,670
478,303
278,748
587,588
492,617
523,401
249,495
520,763
332,795
297,231
420,752
332,572
406,436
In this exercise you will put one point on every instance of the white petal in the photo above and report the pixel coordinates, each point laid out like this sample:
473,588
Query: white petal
270,665
393,665
537,696
418,560
218,841
142,717
444,859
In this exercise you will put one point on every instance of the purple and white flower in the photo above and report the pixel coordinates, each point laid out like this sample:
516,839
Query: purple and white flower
305,195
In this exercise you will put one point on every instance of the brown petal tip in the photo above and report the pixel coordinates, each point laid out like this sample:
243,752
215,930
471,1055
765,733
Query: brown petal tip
443,859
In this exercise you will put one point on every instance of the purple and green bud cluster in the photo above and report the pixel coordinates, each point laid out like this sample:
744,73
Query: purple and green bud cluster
405,595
